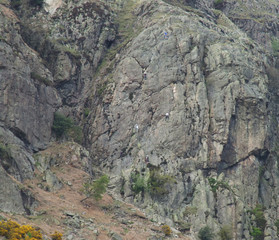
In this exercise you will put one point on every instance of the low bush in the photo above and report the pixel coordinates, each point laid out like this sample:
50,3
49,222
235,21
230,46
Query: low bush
61,124
258,231
206,233
158,183
257,234
65,127
226,233
190,210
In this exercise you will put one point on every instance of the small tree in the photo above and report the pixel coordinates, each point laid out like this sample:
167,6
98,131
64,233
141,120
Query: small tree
138,184
97,188
206,233
61,124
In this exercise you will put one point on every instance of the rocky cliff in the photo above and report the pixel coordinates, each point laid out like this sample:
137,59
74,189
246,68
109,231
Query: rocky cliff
177,101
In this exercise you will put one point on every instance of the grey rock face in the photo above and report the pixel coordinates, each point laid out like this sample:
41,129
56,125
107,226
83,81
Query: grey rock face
10,197
259,19
72,42
198,101
212,82
27,101
15,157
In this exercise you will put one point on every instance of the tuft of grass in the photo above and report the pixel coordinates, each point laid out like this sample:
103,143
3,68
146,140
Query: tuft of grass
275,45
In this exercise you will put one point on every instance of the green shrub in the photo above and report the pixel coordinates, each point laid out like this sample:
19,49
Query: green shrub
61,124
97,188
206,233
157,183
86,112
76,134
166,230
213,184
138,183
257,234
226,233
258,231
65,127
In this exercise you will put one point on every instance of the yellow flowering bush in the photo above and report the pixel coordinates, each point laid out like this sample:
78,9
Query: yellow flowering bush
56,236
166,230
13,231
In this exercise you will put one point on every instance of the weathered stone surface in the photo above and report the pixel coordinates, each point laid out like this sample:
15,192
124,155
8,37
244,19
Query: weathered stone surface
259,19
73,42
219,88
27,101
212,81
10,199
